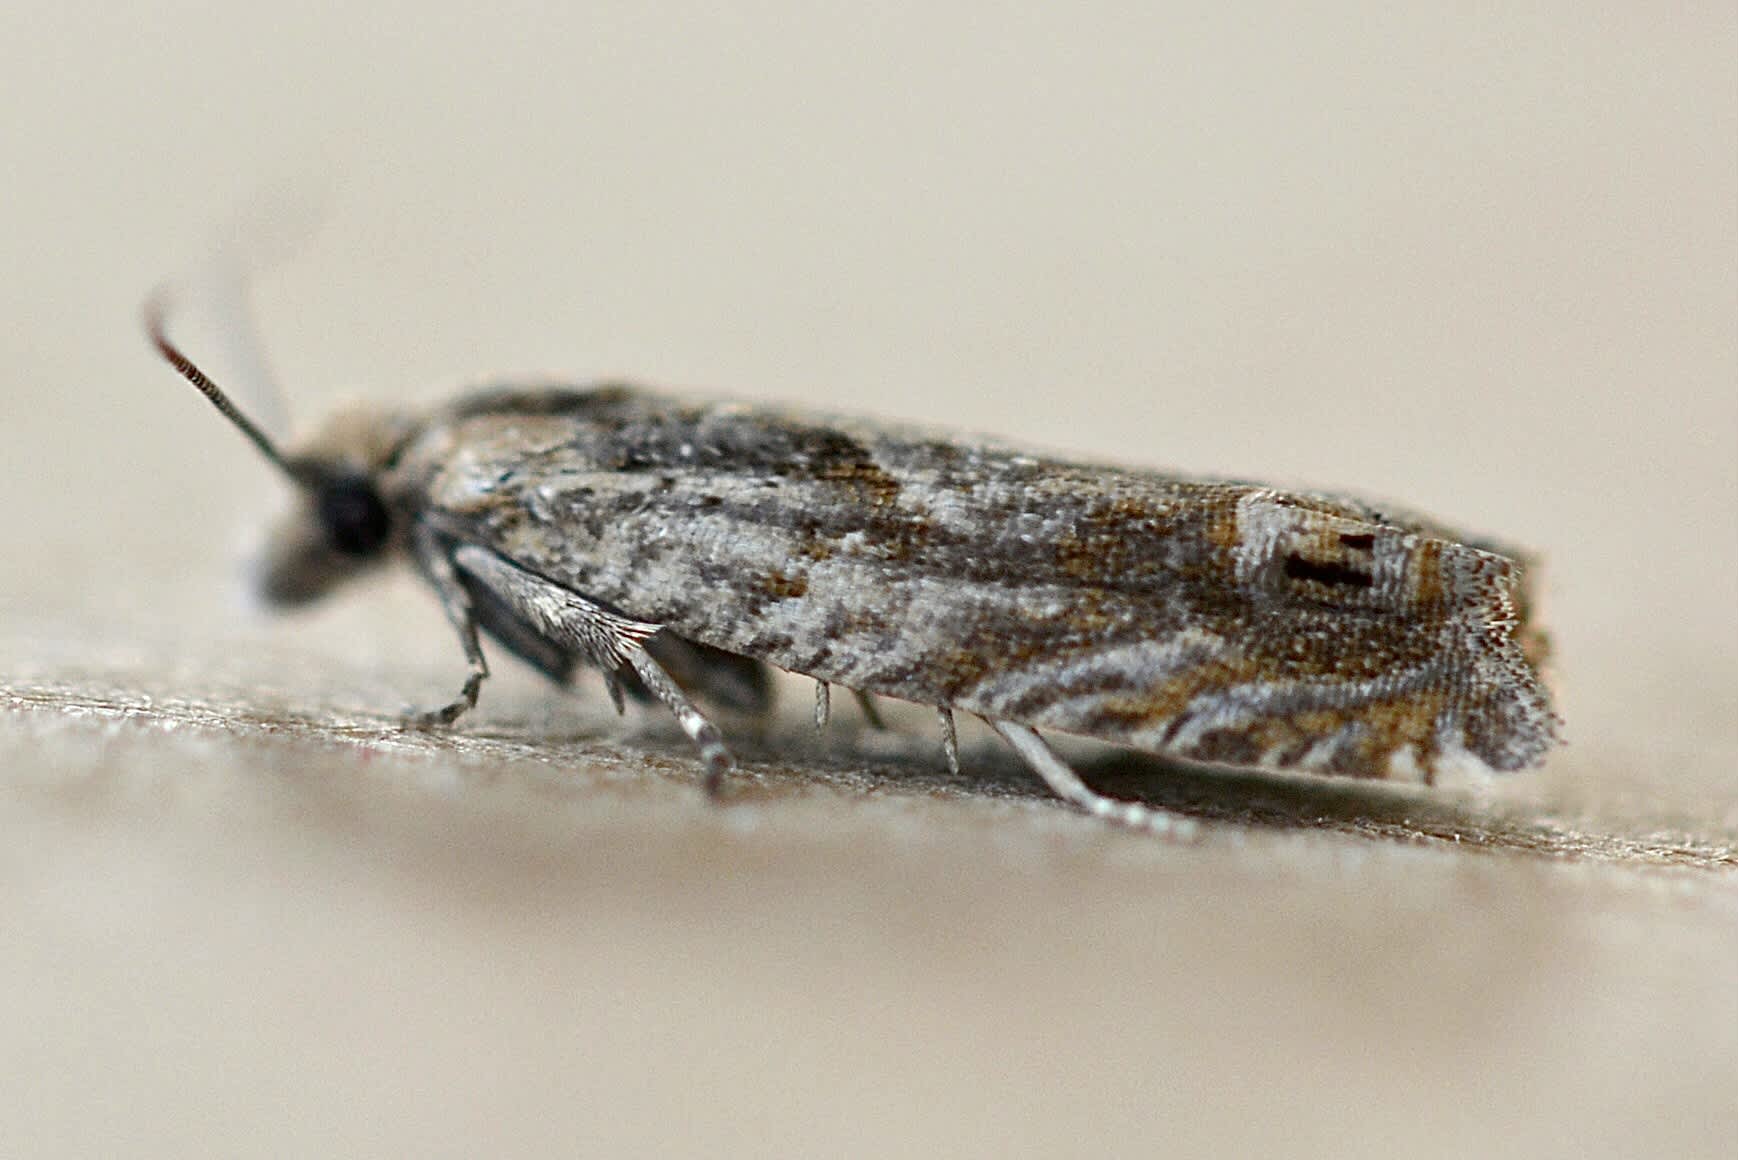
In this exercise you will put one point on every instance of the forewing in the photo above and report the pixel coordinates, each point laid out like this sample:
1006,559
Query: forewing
1224,622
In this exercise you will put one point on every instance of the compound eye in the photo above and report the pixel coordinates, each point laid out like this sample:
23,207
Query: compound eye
354,516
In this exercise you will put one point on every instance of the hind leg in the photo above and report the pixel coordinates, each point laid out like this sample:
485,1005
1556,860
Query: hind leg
1066,784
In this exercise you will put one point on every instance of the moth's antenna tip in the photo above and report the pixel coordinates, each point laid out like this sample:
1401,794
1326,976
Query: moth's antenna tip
155,312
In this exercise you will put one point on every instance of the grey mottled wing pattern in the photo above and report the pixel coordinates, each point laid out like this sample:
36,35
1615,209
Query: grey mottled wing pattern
1224,622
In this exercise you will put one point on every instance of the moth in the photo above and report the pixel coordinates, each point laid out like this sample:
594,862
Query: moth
681,546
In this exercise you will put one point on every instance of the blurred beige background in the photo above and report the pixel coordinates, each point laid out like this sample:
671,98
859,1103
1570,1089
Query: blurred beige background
1486,264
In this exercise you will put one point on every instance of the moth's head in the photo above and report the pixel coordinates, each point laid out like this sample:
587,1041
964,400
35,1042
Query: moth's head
341,523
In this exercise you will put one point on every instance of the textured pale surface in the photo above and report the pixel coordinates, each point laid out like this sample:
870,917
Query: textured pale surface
1485,266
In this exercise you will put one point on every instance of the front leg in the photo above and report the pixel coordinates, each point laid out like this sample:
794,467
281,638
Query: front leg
437,565
611,641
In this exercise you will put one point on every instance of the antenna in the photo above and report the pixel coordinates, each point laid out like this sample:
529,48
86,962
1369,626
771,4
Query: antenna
155,311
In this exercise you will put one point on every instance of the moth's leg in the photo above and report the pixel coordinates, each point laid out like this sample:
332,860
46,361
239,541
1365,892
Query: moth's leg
824,707
703,733
1066,784
498,620
950,740
612,684
607,639
871,713
456,603
728,680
